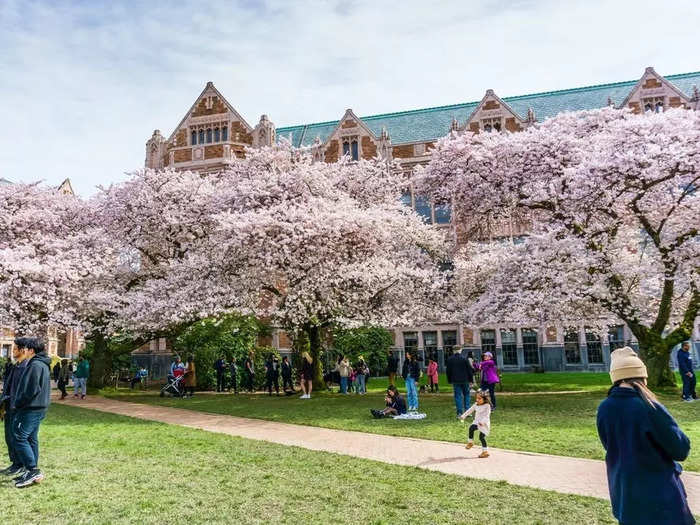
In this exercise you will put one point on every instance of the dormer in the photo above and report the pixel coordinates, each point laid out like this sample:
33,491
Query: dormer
494,115
351,137
654,94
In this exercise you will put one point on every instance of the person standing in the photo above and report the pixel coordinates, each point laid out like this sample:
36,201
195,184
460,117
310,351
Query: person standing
233,367
460,375
190,380
175,365
392,366
15,467
64,378
56,371
249,369
344,370
411,374
220,367
80,377
272,374
642,445
685,367
433,376
30,397
489,377
306,375
287,384
361,371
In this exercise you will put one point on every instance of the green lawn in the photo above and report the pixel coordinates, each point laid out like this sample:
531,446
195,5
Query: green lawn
562,424
109,469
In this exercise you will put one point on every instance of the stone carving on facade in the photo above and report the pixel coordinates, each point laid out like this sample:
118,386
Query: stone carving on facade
155,150
696,98
264,133
384,149
454,126
530,117
317,152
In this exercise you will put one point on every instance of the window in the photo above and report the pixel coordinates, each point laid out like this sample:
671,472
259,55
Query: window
616,337
217,134
488,341
351,147
201,136
510,352
209,135
487,128
653,105
5,351
572,349
593,347
530,348
346,148
430,344
423,208
193,138
354,149
449,339
443,214
410,341
659,107
224,133
491,124
406,198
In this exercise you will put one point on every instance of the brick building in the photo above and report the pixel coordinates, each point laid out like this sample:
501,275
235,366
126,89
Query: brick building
212,134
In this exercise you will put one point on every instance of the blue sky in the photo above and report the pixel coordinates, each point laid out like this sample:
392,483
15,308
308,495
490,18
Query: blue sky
84,84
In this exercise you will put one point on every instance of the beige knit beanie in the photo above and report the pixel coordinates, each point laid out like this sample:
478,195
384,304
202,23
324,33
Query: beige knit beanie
625,364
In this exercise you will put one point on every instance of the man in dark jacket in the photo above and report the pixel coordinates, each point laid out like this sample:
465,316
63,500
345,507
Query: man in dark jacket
220,367
287,384
392,366
15,468
29,398
460,375
685,367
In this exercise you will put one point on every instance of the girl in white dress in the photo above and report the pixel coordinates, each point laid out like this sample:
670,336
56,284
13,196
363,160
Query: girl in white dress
482,421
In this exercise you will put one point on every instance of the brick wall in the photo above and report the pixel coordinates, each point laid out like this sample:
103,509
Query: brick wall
214,152
402,152
491,104
634,106
181,138
349,124
243,135
332,151
512,125
217,106
474,127
183,155
651,83
675,102
369,149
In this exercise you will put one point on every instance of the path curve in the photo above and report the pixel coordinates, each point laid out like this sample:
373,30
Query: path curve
567,475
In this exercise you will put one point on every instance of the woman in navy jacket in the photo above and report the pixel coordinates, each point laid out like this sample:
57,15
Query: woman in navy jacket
643,445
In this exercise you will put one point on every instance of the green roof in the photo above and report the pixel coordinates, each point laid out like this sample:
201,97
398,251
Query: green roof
427,124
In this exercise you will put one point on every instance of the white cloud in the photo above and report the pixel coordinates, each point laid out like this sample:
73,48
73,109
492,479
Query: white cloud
84,84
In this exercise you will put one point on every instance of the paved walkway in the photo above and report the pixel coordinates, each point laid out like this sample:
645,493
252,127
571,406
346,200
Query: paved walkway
561,474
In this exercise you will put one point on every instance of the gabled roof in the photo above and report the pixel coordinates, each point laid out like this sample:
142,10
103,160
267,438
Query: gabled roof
67,187
209,86
421,125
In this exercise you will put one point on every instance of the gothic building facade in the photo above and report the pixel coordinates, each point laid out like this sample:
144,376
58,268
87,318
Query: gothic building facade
212,134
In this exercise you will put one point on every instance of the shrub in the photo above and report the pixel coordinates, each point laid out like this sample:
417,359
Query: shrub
371,342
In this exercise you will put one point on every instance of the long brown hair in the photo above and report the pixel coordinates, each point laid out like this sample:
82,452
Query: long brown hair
640,386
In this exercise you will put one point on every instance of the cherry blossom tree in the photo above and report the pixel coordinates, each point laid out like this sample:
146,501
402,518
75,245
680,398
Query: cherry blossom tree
611,203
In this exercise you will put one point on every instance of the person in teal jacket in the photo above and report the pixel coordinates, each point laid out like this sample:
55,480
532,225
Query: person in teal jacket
80,377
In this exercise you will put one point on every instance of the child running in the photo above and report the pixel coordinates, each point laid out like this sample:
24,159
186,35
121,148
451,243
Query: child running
482,421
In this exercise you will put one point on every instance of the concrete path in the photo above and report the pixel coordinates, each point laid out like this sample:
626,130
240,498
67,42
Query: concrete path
561,474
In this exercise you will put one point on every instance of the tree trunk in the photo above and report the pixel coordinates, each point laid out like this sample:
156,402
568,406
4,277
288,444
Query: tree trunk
656,353
101,362
314,333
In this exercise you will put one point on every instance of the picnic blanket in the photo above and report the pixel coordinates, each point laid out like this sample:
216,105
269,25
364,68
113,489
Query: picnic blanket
410,416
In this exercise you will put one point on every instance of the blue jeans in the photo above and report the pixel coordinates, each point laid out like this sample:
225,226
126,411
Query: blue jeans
688,386
411,393
25,431
360,384
9,440
461,392
343,385
80,384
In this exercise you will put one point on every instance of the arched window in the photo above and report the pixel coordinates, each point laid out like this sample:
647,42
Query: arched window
209,135
346,148
193,138
647,108
355,150
217,135
487,128
224,133
201,136
659,107
497,126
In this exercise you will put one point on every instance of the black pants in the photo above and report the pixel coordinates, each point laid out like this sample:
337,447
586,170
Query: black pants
482,438
62,388
491,387
190,390
220,382
273,381
287,382
234,383
434,386
134,381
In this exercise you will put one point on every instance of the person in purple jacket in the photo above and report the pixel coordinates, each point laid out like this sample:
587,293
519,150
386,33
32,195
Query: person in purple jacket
489,377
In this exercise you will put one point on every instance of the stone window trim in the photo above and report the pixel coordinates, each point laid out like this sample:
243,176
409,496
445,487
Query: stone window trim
351,145
201,133
492,124
654,104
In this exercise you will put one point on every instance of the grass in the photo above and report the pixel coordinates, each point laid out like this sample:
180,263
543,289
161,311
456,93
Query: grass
562,424
109,469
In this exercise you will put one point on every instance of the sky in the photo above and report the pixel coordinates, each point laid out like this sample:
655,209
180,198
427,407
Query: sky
83,84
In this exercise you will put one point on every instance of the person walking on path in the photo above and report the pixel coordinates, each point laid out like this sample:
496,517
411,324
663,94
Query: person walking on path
460,375
80,377
685,368
56,371
306,375
249,369
63,378
411,374
482,421
30,397
361,371
190,380
233,368
392,367
220,367
7,414
643,445
433,376
489,376
287,385
344,370
272,374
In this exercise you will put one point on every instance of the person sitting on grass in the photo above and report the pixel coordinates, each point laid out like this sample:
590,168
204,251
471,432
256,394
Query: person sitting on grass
482,421
139,377
395,404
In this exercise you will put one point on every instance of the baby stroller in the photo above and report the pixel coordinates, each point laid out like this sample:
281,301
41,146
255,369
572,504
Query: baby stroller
174,386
